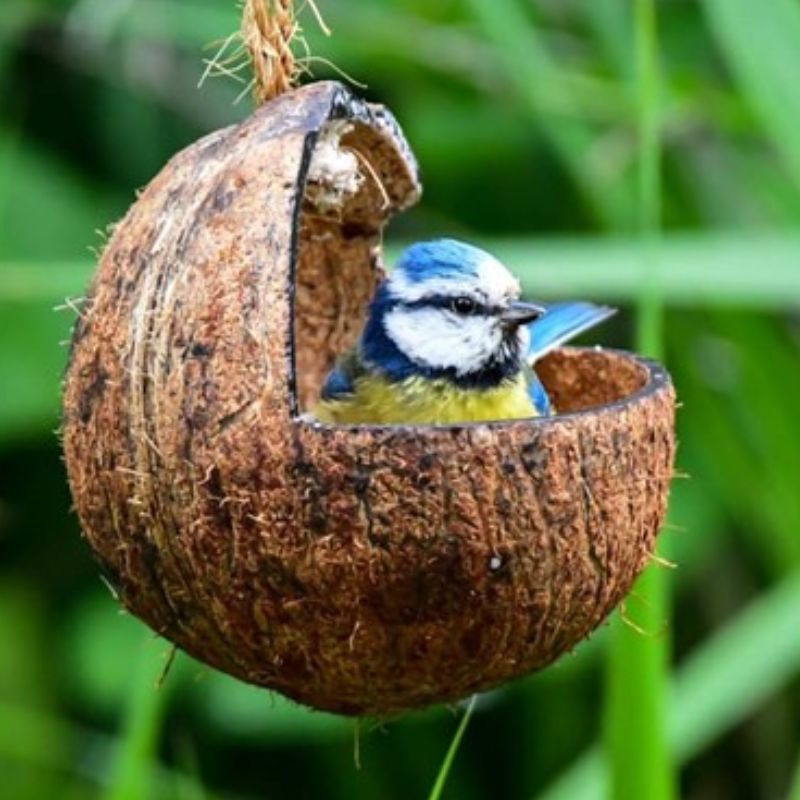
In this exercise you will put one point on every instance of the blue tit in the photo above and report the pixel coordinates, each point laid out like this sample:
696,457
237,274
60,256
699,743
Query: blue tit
447,340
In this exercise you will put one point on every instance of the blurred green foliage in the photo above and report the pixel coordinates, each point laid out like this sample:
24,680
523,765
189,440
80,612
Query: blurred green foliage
523,116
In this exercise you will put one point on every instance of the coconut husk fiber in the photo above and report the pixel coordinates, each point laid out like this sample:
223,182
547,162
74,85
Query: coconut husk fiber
363,570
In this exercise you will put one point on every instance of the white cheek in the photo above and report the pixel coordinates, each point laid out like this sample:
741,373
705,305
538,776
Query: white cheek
437,339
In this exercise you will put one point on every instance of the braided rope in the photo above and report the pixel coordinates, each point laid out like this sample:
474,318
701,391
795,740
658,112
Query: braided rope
268,29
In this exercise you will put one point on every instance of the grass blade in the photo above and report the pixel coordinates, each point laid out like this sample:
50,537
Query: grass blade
746,662
444,770
794,792
134,770
649,332
635,716
45,741
693,270
639,762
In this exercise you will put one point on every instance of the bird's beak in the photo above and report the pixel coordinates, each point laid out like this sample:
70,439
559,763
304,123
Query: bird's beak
519,313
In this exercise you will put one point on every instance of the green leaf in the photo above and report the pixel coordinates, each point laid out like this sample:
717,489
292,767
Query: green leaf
15,17
737,669
243,711
640,764
744,424
32,357
760,44
41,740
99,644
612,24
50,743
530,70
46,211
102,642
694,270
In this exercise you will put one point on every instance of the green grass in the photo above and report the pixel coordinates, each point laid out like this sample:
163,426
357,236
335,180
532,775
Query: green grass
766,74
530,70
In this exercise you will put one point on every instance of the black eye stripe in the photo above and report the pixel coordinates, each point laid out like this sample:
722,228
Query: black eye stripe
447,302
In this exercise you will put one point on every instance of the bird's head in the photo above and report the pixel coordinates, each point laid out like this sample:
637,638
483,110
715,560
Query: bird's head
449,309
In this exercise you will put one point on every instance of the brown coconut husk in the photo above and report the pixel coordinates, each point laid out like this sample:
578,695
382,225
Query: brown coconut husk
359,569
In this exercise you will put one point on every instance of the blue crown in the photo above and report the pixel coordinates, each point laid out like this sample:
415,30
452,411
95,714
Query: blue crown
442,258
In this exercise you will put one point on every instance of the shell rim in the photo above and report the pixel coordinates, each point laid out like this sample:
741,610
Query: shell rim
657,381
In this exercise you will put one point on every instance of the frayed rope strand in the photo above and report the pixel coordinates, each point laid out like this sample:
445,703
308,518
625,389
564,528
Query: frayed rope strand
265,42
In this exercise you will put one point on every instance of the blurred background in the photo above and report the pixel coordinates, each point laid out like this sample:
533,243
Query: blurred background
523,116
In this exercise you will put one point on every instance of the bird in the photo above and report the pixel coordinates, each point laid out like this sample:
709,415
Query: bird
447,340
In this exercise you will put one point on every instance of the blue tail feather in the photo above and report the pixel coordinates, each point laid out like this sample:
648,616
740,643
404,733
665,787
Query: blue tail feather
562,322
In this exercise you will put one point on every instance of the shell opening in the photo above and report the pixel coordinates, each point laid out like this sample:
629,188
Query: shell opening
358,175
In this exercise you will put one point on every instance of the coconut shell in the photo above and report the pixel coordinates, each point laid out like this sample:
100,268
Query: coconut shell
363,570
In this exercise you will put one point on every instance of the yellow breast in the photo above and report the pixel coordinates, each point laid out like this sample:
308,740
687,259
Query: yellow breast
421,401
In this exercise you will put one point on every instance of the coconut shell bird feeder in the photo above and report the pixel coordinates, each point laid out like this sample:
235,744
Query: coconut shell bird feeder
364,569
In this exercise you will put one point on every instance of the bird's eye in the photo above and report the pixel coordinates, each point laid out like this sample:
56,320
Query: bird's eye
463,305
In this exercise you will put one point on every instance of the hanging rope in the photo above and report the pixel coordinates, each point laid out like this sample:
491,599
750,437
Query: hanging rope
265,42
268,29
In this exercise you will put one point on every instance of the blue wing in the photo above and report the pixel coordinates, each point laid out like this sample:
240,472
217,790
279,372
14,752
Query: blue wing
337,384
562,322
539,397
